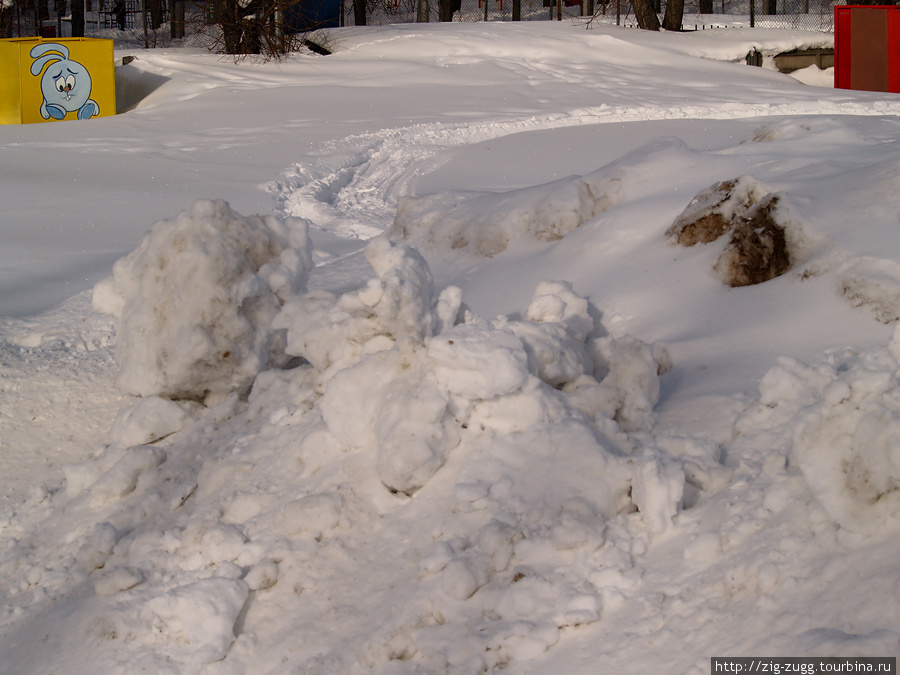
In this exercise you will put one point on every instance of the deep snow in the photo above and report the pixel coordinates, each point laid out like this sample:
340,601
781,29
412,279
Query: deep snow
455,402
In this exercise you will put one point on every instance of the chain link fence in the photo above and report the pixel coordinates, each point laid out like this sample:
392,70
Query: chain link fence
145,23
816,15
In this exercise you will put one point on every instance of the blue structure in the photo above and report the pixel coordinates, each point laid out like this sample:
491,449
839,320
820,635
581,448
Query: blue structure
311,14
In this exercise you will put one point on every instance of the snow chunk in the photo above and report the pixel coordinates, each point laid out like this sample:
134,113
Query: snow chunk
628,372
196,299
122,477
222,543
873,284
330,331
262,575
352,397
197,620
97,547
415,434
553,355
478,362
150,419
842,416
315,515
391,400
462,577
657,489
402,297
556,301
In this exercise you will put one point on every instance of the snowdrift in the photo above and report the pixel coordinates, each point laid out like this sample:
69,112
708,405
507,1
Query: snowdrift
508,464
524,431
405,404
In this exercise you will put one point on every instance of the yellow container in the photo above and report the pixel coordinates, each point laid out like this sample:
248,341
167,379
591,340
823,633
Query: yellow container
50,79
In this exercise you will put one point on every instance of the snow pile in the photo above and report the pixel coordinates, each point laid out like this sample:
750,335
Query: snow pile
196,299
486,224
454,466
843,416
872,283
528,541
484,466
405,369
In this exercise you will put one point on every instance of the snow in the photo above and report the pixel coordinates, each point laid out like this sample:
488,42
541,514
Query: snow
196,299
460,398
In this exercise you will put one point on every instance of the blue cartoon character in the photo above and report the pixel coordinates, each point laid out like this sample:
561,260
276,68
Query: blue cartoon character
66,85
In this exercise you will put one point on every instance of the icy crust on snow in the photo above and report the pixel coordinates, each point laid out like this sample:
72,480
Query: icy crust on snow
843,416
485,466
195,301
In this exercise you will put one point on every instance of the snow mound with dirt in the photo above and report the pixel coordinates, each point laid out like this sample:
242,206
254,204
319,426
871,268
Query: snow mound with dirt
764,241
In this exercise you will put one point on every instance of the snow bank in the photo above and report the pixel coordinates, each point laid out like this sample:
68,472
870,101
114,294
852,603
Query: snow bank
196,299
532,413
404,370
486,224
484,466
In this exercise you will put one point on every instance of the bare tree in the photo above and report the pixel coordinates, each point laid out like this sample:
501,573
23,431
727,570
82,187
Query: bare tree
645,13
267,27
674,14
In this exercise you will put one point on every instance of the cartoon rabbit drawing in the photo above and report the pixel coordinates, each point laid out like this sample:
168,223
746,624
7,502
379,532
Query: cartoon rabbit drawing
66,85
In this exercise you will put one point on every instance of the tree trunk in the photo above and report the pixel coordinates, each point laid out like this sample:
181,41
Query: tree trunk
646,17
176,19
706,6
6,21
250,38
155,8
674,15
77,18
359,12
228,16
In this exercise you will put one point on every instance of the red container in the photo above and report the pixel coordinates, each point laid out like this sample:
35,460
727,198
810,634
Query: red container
867,47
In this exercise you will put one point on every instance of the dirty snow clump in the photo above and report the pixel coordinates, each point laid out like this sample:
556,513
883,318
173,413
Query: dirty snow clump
763,238
195,301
